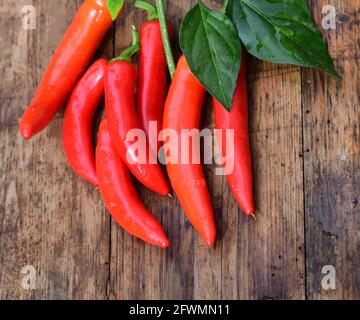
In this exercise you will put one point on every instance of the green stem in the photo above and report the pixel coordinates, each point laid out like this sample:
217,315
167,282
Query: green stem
165,36
135,36
223,9
149,7
128,53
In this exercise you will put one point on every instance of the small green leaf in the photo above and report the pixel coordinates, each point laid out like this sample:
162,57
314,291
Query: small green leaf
281,32
114,7
212,48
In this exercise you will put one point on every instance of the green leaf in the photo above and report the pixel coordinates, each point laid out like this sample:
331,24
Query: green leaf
281,32
212,48
114,7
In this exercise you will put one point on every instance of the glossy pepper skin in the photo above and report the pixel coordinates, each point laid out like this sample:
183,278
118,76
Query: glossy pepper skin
67,65
153,75
124,204
182,111
78,120
241,179
120,82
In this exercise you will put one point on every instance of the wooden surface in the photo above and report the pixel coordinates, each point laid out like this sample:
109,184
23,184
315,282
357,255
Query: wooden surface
305,130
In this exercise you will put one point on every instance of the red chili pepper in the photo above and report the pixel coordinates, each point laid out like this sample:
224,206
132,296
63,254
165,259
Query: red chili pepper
67,65
124,204
78,119
153,73
240,180
182,111
120,82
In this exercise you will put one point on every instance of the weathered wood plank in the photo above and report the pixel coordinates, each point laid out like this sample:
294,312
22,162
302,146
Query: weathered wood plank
270,253
332,175
49,218
23,49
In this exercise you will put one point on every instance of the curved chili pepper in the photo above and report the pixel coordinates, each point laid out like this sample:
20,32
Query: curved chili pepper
78,119
124,204
240,180
153,74
120,82
182,111
67,65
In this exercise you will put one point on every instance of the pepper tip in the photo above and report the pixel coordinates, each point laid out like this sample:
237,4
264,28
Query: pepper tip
26,132
210,242
253,216
165,244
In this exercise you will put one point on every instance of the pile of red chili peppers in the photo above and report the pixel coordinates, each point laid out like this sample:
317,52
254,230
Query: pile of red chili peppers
135,97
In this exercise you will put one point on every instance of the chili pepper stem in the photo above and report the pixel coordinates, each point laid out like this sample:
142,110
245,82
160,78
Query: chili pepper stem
223,9
149,7
253,216
128,53
165,36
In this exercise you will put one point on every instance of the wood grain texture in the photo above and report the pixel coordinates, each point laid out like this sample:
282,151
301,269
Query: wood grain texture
50,219
271,249
305,137
26,53
332,147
